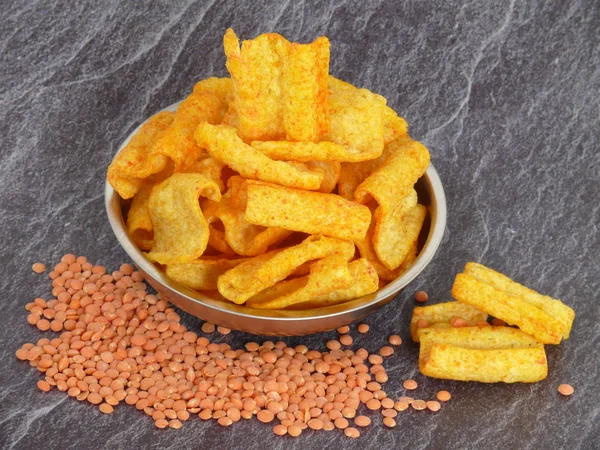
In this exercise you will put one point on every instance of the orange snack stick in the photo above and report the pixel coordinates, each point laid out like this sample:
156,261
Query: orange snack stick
549,305
513,310
309,212
223,143
261,272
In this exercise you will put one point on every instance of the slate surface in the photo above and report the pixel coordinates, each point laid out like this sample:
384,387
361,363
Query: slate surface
504,94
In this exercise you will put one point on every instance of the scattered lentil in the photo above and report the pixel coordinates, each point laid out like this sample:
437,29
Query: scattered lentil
363,328
362,421
433,405
443,396
106,408
410,384
346,339
38,268
394,339
387,403
280,430
389,422
421,296
386,351
419,405
401,406
564,389
351,432
294,430
208,327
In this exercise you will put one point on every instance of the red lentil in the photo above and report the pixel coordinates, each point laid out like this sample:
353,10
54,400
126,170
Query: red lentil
432,405
38,268
419,405
443,396
566,389
410,384
421,296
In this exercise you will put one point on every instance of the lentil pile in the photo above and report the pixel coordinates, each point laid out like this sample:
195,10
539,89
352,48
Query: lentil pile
118,343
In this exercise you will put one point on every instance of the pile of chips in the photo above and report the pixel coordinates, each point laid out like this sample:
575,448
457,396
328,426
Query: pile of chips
280,187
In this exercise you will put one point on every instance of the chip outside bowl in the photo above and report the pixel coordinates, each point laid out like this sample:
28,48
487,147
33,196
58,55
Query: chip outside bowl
284,323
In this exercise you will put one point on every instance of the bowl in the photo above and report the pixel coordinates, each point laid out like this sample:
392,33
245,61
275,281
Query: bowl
286,323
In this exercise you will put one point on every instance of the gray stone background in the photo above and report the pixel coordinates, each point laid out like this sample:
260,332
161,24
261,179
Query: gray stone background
504,94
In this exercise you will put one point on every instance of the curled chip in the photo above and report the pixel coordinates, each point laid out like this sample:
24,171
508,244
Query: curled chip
398,218
330,171
216,240
308,212
365,282
205,104
526,365
201,274
180,229
304,82
394,126
134,163
396,176
243,237
480,338
261,272
441,314
220,87
365,247
222,143
513,310
353,174
397,231
327,275
356,120
139,223
210,167
550,306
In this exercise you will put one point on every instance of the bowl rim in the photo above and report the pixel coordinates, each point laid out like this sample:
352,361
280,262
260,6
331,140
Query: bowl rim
437,213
